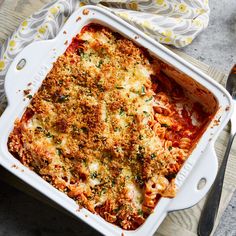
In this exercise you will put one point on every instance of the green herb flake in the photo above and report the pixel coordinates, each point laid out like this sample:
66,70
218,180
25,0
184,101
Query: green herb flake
140,137
146,113
99,64
140,148
29,96
143,90
119,149
119,87
165,125
116,210
138,179
39,128
100,87
153,155
170,148
94,175
139,156
122,112
140,212
49,135
59,151
149,99
104,190
85,130
84,55
63,98
75,128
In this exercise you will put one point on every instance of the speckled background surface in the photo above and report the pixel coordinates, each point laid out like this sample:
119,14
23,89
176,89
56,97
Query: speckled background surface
24,216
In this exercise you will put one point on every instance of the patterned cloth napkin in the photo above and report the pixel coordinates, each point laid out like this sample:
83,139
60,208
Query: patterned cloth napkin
175,22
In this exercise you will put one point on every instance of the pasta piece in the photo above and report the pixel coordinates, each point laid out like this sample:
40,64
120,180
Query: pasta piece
168,145
109,217
165,121
161,96
148,84
160,131
185,143
170,190
156,184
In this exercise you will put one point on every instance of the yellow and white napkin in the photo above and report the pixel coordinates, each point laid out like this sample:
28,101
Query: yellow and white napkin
175,22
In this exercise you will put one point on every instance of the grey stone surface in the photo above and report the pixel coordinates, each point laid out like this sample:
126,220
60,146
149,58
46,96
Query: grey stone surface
216,46
22,215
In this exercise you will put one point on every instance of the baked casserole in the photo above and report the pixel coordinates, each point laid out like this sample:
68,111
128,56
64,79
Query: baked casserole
109,128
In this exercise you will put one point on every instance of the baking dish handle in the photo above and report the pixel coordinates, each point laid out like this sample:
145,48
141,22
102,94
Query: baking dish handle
19,74
204,172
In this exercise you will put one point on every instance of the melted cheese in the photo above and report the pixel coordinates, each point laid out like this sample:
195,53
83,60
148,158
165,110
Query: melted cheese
89,133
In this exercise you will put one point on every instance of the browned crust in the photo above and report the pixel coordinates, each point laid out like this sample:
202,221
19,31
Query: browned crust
72,130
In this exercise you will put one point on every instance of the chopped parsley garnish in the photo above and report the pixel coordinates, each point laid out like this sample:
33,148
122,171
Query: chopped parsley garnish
59,151
116,210
153,155
170,148
122,112
138,179
139,156
100,87
119,149
140,212
140,148
62,98
49,135
119,87
104,190
149,99
143,90
39,128
99,64
140,137
75,128
84,55
146,113
85,129
94,175
165,125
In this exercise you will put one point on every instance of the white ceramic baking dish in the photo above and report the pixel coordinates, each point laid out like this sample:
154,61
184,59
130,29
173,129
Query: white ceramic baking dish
39,57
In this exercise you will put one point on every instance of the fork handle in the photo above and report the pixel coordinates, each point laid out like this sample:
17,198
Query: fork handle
209,212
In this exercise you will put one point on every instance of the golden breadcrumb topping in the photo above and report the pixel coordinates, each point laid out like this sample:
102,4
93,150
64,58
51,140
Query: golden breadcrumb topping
108,128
